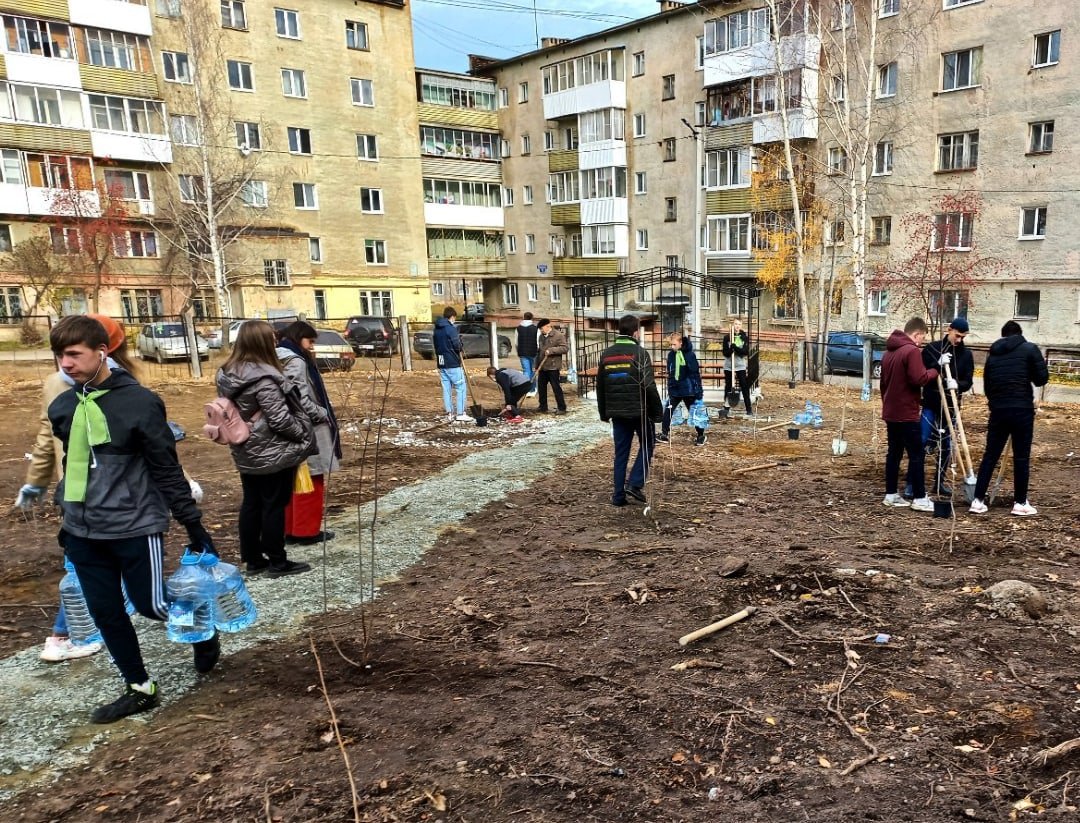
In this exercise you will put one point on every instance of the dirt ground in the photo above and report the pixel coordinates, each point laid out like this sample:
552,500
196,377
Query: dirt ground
529,669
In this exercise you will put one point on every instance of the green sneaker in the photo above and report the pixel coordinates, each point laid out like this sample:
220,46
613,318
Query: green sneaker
132,701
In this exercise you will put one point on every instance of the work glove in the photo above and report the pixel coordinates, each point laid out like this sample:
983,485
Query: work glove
200,540
945,359
29,496
951,384
196,491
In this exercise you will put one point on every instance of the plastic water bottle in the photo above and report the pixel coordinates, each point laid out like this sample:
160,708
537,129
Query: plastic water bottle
809,408
815,415
234,610
81,627
190,591
865,396
678,414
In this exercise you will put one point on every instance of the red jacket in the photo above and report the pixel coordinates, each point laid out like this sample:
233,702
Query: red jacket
902,378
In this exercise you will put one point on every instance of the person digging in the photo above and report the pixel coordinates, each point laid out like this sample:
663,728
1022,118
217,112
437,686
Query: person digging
515,386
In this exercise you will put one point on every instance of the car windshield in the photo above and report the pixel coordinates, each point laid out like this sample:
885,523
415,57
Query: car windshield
330,338
168,330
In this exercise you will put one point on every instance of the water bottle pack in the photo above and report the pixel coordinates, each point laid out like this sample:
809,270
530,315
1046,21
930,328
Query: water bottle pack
810,416
678,414
206,594
699,415
81,627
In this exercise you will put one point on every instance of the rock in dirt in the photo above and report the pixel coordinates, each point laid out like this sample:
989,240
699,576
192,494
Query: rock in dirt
731,566
1013,598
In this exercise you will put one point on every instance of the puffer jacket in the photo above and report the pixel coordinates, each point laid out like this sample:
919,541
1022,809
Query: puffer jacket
551,350
47,456
689,382
135,479
446,341
962,366
283,435
625,386
1012,366
902,377
736,349
295,370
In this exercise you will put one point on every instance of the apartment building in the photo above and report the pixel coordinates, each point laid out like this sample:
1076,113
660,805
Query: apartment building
656,143
286,134
462,182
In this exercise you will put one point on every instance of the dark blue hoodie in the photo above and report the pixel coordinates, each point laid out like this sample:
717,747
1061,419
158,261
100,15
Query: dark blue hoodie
447,343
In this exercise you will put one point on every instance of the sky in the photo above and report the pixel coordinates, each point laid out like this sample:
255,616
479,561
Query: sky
445,31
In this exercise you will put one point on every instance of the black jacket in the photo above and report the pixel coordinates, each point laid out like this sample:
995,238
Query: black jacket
527,345
962,366
625,386
135,479
689,382
514,385
1012,366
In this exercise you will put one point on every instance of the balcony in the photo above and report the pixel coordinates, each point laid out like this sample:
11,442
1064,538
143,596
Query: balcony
466,267
451,214
61,202
588,266
602,154
600,210
142,148
607,94
42,71
45,138
119,81
759,59
566,214
55,9
120,15
802,125
563,160
433,114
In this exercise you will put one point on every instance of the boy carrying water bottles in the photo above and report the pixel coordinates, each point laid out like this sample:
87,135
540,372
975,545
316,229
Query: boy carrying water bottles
122,479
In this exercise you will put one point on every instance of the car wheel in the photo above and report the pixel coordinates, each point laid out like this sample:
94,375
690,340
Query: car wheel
875,370
504,350
428,356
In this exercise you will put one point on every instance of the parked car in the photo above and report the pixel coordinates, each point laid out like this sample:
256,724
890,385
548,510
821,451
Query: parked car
333,352
371,335
213,339
167,341
843,353
474,311
475,342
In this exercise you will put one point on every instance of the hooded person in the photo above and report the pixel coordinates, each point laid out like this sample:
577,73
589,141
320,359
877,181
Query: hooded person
684,383
448,358
935,403
527,344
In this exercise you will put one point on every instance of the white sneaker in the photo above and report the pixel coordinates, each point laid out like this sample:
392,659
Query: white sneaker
61,648
1024,509
531,394
463,418
978,507
923,504
896,501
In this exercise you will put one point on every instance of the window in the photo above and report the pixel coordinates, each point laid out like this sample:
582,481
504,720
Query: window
168,8
58,171
882,229
504,97
248,136
533,292
575,245
38,37
304,196
116,50
1027,305
254,193
276,273
786,304
508,196
837,160
671,209
598,240
504,147
127,185
191,187
527,195
232,14
526,144
883,157
555,292
947,304
299,140
699,113
135,243
1033,223
736,31
367,147
877,302
371,201
727,168
287,23
888,8
511,244
579,296
5,237
240,77
834,233
639,125
523,92
449,243
293,83
1042,137
437,290
728,234
184,129
53,107
699,53
462,192
356,35
376,303
640,182
564,187
64,240
952,231
375,252
597,67
604,182
10,304
669,149
957,152
668,91
510,294
530,244
11,169
362,90
672,261
839,88
176,67
642,239
961,69
639,63
549,140
320,302
1047,47
130,114
315,249
886,80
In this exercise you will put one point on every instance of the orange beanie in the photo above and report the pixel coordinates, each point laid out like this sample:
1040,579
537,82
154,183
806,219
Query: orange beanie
112,328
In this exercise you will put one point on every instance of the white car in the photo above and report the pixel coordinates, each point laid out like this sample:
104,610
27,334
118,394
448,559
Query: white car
167,341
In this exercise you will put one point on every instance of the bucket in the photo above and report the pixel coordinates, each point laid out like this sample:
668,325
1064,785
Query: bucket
943,508
793,433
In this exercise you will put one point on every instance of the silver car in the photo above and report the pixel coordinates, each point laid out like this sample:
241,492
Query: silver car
167,341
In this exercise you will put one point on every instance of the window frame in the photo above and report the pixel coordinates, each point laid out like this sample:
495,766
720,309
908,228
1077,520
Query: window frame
374,249
370,142
249,128
881,238
888,8
888,80
1043,131
964,142
1021,294
276,274
296,146
178,65
242,67
974,69
255,194
315,250
637,64
641,239
234,6
1053,49
1036,212
301,201
362,84
357,26
966,231
877,302
372,195
641,182
282,17
667,87
290,78
883,158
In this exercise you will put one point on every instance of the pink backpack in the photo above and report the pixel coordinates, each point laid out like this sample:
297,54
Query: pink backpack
224,424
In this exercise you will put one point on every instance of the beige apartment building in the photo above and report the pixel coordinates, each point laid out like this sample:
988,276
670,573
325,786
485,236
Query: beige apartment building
287,133
649,142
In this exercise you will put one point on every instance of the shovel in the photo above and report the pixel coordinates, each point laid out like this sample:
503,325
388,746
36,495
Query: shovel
961,454
839,444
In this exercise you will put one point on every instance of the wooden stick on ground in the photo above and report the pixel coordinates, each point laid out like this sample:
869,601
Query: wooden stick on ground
717,626
759,467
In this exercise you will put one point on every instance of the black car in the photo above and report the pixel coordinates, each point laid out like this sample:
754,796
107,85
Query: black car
844,352
371,335
474,311
475,341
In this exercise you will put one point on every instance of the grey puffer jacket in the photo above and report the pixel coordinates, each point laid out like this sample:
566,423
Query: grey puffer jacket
296,371
283,436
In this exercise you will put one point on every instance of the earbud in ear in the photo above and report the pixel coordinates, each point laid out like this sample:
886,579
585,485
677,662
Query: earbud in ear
102,356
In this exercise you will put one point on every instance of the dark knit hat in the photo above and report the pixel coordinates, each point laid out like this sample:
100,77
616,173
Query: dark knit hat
960,324
543,321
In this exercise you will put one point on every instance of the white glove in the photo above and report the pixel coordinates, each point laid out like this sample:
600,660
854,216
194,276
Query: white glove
951,384
196,491
945,359
29,496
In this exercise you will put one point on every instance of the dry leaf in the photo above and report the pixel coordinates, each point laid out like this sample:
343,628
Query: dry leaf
852,658
327,737
965,749
771,721
465,607
102,808
824,763
678,757
437,800
202,778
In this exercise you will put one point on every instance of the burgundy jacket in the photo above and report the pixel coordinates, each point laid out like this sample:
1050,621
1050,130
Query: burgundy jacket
902,377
